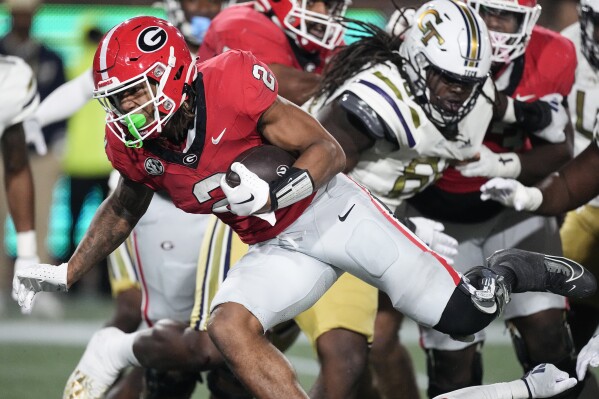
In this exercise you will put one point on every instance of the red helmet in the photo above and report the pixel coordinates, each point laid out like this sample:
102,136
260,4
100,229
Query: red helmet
311,30
145,53
509,46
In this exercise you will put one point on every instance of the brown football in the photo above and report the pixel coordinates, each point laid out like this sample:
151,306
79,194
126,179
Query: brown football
267,161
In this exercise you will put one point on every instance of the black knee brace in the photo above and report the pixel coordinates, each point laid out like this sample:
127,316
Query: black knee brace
461,316
224,385
442,375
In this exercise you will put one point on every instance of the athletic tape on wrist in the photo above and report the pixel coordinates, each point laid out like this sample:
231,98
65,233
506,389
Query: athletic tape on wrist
26,244
293,186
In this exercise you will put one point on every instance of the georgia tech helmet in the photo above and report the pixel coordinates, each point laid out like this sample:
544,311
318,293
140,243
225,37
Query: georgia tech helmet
588,15
450,38
142,53
509,46
311,30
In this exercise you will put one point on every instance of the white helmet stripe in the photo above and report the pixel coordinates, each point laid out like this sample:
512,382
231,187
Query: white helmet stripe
103,51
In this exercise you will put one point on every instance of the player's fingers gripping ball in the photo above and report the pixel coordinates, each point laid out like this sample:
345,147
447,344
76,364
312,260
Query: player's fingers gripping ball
250,196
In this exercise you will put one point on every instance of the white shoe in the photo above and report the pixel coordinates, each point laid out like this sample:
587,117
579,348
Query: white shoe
96,370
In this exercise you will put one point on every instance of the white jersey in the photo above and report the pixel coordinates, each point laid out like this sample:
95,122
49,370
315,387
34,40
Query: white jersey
583,100
393,173
18,91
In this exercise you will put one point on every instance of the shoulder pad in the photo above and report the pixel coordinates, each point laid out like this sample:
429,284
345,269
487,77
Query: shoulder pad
372,123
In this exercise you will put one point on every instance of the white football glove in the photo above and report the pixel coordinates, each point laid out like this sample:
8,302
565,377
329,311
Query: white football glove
20,264
512,193
431,232
34,135
554,133
37,278
546,381
400,21
491,164
588,356
249,197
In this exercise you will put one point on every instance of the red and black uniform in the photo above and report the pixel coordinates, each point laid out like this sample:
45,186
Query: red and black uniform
226,126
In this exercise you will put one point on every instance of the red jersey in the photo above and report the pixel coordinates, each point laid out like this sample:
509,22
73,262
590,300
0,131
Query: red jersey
242,27
548,66
233,90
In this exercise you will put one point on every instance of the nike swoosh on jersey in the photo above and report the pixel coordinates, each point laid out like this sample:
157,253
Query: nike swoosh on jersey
526,97
342,218
216,140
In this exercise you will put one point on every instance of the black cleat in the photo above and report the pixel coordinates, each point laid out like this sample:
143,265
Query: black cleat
538,272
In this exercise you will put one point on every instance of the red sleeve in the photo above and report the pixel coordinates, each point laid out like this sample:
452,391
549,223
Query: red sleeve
254,82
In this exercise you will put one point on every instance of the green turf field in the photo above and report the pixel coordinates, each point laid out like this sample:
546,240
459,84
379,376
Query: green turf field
38,355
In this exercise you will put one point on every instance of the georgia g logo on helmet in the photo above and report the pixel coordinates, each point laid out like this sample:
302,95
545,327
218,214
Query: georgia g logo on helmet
151,39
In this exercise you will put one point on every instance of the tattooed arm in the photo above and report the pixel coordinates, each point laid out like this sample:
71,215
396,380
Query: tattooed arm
111,225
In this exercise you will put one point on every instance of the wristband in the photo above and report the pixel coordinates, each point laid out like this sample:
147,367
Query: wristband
293,186
26,244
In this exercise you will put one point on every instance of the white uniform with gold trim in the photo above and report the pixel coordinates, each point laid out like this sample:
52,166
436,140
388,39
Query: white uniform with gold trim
392,172
18,91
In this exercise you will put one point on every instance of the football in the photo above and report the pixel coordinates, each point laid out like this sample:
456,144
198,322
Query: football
267,161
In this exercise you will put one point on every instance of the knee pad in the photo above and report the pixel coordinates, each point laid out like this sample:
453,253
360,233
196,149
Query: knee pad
443,375
223,384
169,384
565,359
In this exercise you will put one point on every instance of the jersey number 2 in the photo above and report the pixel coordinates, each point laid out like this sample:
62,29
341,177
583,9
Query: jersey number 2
263,74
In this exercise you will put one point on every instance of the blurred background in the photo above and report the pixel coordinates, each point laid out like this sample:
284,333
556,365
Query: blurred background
38,352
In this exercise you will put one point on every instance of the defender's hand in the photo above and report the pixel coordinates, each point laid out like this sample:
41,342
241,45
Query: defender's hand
512,193
491,164
431,232
251,196
546,381
37,278
34,135
588,356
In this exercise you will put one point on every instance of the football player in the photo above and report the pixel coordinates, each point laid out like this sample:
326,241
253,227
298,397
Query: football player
296,38
524,68
165,116
580,230
18,99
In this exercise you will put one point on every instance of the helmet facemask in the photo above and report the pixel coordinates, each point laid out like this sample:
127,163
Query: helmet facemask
589,18
311,30
508,46
145,121
425,80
